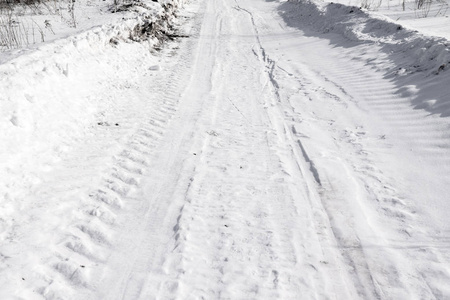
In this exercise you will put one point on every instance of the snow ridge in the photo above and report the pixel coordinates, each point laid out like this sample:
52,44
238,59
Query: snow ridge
427,53
415,59
41,127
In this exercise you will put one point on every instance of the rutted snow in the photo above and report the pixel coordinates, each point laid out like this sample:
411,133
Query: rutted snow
283,150
66,110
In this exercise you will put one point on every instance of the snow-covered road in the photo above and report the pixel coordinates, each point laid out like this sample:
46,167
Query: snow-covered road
255,159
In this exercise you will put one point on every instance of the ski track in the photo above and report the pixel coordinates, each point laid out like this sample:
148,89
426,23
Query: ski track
248,171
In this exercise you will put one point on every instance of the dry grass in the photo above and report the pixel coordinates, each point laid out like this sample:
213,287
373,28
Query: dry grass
18,28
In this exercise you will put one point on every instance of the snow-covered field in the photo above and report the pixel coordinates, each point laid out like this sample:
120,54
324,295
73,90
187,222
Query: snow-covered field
244,149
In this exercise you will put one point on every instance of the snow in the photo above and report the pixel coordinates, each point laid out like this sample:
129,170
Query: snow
243,149
432,19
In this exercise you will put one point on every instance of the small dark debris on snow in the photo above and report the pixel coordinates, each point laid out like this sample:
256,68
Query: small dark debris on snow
226,225
23,278
399,27
114,41
194,153
106,124
82,266
173,36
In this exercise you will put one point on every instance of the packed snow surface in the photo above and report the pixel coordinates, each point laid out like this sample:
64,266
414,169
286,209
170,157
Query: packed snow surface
268,150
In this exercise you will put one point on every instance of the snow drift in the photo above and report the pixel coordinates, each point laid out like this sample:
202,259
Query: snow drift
52,100
418,62
36,120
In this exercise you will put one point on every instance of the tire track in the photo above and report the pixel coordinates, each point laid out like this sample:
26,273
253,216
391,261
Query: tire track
380,195
118,156
362,278
250,224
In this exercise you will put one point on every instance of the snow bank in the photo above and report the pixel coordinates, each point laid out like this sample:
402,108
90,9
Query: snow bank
39,119
53,102
426,53
415,58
